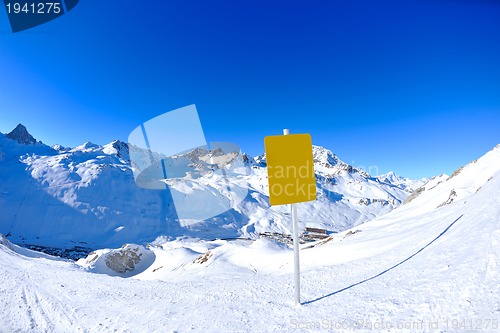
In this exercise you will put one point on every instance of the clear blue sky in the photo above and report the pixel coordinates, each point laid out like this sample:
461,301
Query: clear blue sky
409,86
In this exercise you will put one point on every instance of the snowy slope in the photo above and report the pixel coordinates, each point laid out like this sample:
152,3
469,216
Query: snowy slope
82,197
86,197
423,267
464,182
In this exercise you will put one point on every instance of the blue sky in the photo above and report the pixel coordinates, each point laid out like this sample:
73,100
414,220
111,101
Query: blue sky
409,86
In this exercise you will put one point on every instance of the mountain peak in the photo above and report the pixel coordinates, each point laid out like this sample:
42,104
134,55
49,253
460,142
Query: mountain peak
390,177
325,157
261,160
86,147
60,148
21,135
117,148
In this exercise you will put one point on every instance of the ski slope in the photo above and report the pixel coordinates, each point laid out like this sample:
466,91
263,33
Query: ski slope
429,265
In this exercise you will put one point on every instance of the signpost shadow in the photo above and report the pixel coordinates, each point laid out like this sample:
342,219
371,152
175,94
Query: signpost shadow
385,271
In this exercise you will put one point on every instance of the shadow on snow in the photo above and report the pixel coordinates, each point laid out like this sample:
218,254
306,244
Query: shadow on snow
388,269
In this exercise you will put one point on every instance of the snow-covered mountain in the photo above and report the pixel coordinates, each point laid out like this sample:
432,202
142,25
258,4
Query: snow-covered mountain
86,196
446,198
402,182
431,265
21,135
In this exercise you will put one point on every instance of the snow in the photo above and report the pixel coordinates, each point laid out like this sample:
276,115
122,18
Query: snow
421,267
402,182
430,264
86,197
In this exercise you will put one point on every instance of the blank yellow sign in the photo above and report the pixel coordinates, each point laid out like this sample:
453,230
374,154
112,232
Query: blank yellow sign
290,168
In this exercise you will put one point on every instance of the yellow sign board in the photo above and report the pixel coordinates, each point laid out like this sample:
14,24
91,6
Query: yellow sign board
290,168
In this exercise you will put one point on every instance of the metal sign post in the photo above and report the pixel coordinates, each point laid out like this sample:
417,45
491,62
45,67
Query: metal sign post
296,259
296,262
290,171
